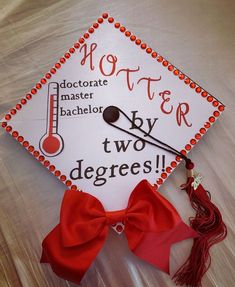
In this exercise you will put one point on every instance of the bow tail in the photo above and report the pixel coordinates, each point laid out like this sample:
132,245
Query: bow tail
70,263
154,247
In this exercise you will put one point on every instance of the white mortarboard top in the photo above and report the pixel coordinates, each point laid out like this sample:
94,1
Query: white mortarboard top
60,120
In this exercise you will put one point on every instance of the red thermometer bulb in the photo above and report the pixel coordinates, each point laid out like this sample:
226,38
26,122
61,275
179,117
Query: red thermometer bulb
51,143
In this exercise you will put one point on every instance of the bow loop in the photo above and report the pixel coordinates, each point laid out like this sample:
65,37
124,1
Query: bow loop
150,210
82,218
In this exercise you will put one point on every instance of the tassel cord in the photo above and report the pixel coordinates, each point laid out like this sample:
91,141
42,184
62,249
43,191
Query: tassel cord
207,221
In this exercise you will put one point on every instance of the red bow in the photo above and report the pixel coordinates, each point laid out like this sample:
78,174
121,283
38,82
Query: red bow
152,224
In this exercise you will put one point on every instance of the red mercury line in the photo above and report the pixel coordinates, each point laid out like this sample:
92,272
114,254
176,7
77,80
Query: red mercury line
51,114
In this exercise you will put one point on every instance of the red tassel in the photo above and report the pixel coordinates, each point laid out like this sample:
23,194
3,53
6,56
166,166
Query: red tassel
211,229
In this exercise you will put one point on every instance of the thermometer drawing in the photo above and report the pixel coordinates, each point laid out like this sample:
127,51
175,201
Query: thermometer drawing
51,143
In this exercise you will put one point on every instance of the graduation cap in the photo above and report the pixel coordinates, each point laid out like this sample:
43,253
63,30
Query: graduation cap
112,112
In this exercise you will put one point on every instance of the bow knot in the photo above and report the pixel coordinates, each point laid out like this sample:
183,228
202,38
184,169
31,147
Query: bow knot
152,225
114,217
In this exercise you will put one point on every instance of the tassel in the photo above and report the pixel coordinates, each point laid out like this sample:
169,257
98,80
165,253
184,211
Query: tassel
208,224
